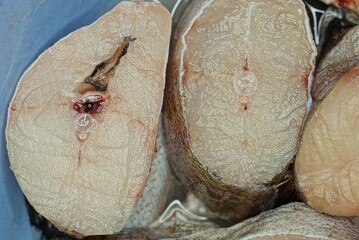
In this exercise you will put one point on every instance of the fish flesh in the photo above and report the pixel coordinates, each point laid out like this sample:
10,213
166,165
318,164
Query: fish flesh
82,124
326,166
159,189
235,100
326,162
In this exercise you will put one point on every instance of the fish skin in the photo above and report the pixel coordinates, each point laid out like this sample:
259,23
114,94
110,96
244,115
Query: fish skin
336,61
291,220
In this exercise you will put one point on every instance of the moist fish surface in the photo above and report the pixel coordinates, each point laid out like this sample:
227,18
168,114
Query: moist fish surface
82,124
295,221
159,189
350,4
235,101
337,60
327,163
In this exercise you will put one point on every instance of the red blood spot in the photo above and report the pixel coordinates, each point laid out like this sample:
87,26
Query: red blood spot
343,3
244,106
88,107
244,103
246,67
138,196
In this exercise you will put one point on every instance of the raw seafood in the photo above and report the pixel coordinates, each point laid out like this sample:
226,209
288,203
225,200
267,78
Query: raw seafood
350,4
337,60
295,221
157,193
83,122
327,163
236,97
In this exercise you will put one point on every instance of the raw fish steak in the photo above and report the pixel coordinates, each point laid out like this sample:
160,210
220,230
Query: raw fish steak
236,98
83,121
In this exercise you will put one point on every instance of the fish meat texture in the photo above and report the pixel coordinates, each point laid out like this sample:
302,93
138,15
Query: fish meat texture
326,166
83,122
235,101
326,163
159,189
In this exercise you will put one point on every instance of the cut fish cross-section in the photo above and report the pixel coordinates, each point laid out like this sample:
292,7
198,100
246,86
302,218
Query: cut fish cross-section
236,98
83,121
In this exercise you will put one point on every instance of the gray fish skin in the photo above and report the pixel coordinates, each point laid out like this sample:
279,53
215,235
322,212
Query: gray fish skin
292,221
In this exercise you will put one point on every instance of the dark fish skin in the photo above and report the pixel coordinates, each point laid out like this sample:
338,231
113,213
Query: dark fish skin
295,219
47,229
326,76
